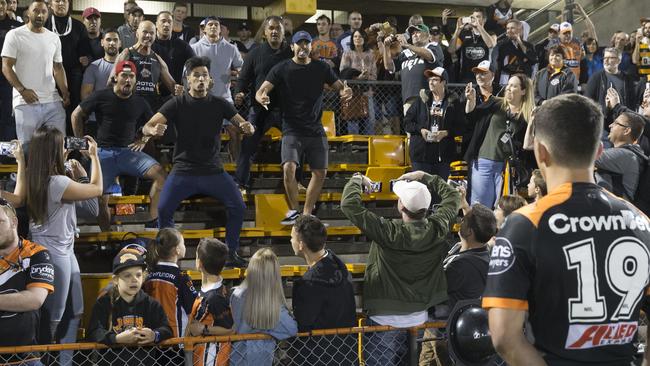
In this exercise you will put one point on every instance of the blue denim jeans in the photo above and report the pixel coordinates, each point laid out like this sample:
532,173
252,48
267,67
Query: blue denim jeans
386,348
487,181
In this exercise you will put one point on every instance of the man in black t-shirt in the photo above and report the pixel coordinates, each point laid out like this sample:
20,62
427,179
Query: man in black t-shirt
174,51
473,42
119,113
7,125
197,117
299,82
576,263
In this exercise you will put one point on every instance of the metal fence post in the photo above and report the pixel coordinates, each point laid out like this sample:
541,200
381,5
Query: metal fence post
414,355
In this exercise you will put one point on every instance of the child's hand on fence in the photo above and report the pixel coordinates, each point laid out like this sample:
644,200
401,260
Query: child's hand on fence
129,336
145,336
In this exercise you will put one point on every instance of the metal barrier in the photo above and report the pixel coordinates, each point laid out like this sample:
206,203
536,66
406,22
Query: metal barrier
363,346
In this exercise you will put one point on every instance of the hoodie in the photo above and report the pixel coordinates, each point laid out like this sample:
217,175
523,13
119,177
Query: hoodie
224,57
324,298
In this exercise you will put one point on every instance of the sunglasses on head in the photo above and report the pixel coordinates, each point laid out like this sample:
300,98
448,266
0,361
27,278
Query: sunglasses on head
5,203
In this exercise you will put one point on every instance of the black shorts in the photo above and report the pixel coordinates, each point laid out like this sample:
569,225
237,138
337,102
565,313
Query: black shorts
314,150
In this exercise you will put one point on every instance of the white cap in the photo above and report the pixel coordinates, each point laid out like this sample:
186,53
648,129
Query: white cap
483,66
565,27
555,27
415,196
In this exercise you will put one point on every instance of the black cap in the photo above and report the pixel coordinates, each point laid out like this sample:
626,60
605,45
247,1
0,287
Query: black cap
126,259
434,29
244,26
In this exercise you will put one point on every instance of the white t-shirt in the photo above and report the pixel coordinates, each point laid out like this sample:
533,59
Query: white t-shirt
402,321
35,55
58,231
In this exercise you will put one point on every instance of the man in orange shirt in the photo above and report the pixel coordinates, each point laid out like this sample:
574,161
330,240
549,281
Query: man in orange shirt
323,48
572,48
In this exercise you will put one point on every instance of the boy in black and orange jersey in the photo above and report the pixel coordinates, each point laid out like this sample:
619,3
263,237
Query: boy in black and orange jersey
211,311
577,260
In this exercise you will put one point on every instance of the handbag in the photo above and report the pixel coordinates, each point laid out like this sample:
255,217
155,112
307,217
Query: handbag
355,108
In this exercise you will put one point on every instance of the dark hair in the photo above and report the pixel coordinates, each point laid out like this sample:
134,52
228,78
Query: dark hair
164,12
480,10
539,181
179,4
510,203
557,50
213,254
419,215
311,231
45,159
196,61
364,35
481,221
560,119
163,246
323,16
636,123
110,30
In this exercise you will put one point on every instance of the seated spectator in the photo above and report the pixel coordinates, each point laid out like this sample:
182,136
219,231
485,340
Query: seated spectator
165,281
592,62
127,315
513,55
506,205
405,257
211,313
21,294
618,168
616,108
536,186
555,79
258,306
434,121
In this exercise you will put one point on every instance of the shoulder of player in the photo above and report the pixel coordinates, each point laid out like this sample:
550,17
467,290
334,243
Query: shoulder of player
30,249
534,211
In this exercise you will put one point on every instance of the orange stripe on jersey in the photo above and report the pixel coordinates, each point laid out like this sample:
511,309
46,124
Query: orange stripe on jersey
167,294
46,286
503,303
28,249
534,211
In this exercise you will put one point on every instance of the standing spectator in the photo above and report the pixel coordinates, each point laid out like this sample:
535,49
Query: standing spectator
336,31
7,124
181,30
506,205
245,43
197,37
498,15
93,21
174,51
323,298
52,197
300,82
21,294
32,64
537,186
355,20
359,63
555,79
224,60
258,306
499,129
258,62
513,55
323,47
287,22
473,43
485,86
128,5
405,256
127,31
197,116
12,11
412,61
390,106
641,55
611,77
572,48
620,41
119,114
592,61
540,48
435,37
434,121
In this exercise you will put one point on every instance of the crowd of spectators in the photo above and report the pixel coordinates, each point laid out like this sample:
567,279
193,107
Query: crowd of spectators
117,94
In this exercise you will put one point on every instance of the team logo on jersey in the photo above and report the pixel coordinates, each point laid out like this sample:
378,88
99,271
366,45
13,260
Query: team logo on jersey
475,53
560,223
42,272
502,256
554,82
583,336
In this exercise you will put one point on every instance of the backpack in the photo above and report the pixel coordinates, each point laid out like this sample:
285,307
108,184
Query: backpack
642,194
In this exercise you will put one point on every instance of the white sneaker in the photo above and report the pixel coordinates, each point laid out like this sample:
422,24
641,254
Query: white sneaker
290,218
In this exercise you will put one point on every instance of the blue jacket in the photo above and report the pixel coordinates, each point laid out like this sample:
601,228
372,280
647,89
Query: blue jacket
259,352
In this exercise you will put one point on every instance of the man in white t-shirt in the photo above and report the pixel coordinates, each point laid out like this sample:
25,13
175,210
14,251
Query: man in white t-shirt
32,63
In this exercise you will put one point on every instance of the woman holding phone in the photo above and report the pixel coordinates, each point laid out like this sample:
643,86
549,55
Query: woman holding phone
51,198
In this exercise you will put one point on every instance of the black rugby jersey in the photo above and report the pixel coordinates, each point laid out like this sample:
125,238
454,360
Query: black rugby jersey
578,262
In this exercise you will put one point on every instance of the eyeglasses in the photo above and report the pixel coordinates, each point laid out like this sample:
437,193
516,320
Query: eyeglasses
622,125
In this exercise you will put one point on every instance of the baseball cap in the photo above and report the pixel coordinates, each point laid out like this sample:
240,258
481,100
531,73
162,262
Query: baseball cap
125,64
438,71
136,9
415,196
88,12
299,36
418,27
434,29
483,66
126,259
566,27
244,26
207,19
554,27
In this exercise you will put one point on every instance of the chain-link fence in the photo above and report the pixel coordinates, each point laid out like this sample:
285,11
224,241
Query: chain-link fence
363,346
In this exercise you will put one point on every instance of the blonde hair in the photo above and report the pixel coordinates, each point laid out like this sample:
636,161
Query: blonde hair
265,296
527,102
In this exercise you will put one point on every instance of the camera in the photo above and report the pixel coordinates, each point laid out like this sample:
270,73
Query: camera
76,143
466,20
375,187
7,148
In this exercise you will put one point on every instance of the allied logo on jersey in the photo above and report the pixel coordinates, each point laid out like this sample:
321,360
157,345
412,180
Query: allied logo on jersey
584,336
561,224
42,272
502,256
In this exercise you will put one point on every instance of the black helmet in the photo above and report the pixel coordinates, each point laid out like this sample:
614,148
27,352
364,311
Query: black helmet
470,343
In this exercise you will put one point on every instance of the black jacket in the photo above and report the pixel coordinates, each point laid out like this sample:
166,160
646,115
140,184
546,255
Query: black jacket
418,117
324,298
518,61
597,90
644,140
257,64
466,274
549,85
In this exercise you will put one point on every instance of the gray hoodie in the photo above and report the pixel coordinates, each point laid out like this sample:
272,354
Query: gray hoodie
224,57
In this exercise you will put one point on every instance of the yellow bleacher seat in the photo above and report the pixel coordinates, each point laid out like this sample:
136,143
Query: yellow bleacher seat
329,123
269,210
386,151
384,174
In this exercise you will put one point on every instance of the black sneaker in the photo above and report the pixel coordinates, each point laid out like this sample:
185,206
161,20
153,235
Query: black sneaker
151,225
290,218
235,261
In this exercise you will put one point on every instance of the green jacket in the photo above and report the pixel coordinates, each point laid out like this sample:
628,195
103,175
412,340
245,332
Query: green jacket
404,268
